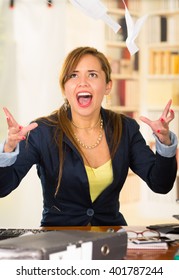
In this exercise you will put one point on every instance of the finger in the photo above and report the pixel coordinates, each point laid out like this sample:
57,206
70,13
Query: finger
171,116
164,122
145,120
7,113
167,108
10,119
15,138
28,128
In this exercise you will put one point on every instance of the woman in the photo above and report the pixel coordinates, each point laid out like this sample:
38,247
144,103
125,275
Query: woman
83,151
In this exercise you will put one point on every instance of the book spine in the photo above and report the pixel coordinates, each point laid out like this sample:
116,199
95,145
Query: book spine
174,63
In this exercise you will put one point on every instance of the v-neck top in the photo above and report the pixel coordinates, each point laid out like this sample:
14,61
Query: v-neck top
99,178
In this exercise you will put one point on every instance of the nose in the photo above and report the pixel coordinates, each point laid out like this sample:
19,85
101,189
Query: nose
83,81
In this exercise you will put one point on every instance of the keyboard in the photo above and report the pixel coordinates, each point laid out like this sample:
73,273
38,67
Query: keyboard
171,228
11,233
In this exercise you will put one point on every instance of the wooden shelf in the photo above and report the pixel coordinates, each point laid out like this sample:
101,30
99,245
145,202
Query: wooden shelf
121,12
167,12
125,109
124,76
163,77
164,45
116,44
160,108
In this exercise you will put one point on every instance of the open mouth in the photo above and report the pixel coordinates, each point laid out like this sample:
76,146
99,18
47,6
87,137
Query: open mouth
84,99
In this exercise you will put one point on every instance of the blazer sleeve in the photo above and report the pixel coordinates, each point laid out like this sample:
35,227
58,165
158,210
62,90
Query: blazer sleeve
159,172
11,176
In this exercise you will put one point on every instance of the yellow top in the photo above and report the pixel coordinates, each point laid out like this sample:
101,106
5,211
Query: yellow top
99,178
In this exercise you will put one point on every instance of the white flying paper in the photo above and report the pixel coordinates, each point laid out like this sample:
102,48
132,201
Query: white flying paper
132,30
96,10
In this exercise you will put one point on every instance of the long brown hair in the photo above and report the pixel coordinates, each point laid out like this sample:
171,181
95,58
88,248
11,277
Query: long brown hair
60,118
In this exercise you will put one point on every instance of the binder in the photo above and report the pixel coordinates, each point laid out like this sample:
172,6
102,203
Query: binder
66,244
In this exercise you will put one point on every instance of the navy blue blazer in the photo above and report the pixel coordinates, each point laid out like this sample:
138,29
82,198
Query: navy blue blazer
73,205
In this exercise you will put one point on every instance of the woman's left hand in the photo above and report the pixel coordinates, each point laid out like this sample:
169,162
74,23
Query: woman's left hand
160,127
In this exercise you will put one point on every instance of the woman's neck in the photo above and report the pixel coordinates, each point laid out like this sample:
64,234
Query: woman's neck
86,123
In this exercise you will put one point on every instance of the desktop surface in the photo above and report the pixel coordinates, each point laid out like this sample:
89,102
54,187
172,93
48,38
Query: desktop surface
132,254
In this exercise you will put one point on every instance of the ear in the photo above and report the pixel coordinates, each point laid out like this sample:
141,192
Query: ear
108,87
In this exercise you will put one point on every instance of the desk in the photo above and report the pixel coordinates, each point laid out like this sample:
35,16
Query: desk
132,254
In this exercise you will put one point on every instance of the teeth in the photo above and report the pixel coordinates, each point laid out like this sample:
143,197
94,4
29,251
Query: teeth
84,94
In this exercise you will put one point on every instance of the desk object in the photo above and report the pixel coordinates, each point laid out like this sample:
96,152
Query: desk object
66,244
176,256
177,215
172,228
150,246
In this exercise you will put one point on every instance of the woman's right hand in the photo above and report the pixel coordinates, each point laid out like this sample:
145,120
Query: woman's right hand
16,132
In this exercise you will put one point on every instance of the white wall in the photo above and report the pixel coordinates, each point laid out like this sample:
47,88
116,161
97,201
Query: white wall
38,38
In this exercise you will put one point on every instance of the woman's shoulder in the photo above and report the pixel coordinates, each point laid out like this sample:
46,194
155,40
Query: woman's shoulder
45,129
130,125
126,119
129,120
47,122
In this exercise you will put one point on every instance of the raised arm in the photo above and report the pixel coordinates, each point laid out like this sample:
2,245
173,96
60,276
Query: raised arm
16,132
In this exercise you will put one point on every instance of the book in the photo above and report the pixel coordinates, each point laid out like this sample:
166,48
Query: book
121,90
166,55
148,246
123,30
163,62
174,63
163,29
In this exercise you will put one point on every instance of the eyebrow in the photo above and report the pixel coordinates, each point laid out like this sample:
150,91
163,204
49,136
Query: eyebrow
76,71
93,70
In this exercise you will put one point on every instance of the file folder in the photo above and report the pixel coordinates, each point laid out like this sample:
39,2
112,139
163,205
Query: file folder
66,244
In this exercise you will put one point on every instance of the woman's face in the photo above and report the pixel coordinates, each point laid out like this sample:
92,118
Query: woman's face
86,86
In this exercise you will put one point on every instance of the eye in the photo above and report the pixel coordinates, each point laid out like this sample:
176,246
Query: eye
93,75
72,76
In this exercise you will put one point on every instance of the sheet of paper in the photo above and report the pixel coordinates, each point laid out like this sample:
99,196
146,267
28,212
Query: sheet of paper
96,10
152,246
133,30
87,250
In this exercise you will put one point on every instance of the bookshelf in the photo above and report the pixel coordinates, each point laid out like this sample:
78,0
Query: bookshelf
160,81
143,83
162,53
151,77
125,95
160,56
